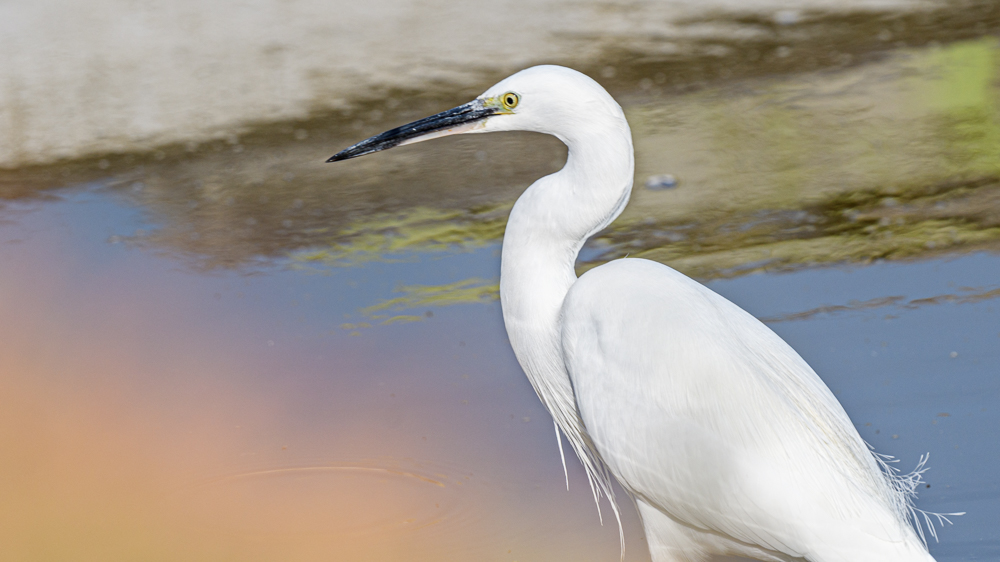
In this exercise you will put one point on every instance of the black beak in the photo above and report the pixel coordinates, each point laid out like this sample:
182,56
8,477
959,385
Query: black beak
446,122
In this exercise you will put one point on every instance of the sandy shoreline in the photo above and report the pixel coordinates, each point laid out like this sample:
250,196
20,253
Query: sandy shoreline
106,76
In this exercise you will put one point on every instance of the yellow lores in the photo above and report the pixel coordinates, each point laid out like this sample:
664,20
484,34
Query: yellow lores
503,104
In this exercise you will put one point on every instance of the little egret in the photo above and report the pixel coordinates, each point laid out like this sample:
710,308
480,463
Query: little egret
728,442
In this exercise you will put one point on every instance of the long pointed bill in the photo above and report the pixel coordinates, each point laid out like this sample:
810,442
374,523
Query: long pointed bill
461,119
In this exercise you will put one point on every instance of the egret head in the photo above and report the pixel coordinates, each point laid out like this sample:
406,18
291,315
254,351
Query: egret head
545,99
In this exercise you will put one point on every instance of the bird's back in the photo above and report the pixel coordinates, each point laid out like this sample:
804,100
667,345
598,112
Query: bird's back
707,416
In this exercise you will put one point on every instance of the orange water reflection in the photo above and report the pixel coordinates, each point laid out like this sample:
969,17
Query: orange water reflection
148,413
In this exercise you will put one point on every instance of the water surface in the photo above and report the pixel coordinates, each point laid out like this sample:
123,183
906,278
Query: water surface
152,410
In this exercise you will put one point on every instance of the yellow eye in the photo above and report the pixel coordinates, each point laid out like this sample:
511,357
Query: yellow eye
510,100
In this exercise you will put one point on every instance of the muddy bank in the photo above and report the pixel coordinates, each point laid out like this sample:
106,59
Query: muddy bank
779,157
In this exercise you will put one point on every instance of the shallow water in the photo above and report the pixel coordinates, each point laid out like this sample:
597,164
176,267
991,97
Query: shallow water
155,411
230,350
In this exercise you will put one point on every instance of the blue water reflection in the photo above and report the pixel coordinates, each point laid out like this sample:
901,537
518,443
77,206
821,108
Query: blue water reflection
894,371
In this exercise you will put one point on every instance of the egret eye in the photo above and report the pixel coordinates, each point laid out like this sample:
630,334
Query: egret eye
510,100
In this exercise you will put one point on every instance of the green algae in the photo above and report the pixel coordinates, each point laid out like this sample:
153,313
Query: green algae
466,291
891,242
388,237
847,228
419,296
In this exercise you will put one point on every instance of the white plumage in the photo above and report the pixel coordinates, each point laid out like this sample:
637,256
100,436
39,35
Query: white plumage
726,439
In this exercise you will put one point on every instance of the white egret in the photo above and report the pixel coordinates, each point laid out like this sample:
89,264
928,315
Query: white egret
726,439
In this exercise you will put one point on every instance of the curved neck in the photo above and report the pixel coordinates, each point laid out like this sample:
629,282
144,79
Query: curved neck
558,213
546,229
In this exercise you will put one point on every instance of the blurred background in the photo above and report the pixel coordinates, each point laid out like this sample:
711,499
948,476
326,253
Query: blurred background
215,346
